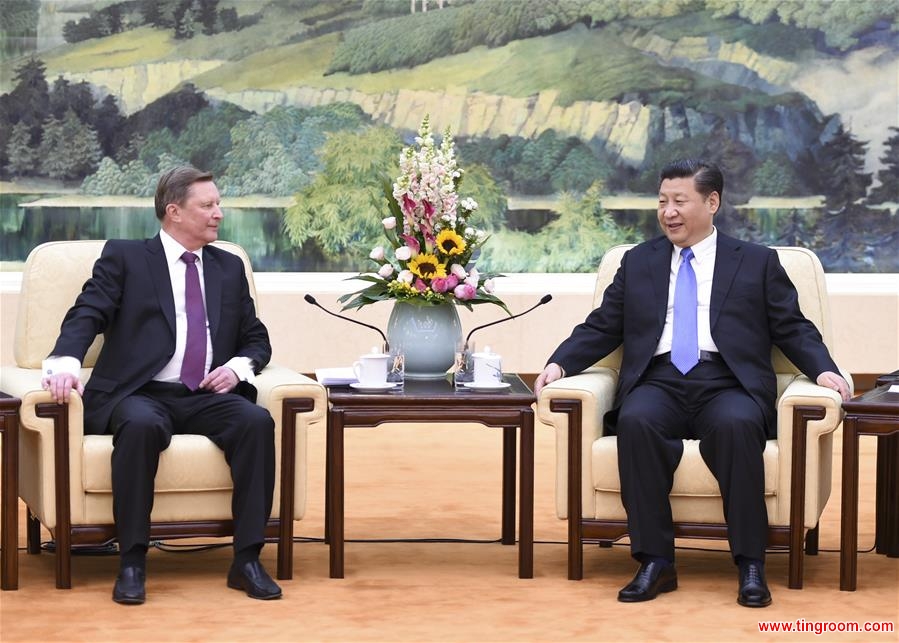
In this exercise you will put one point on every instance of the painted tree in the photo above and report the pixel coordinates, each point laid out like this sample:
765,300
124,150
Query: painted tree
574,242
22,156
341,210
278,152
888,190
107,121
69,148
30,98
843,163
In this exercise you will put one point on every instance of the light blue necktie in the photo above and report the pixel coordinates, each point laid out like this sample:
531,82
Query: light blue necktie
685,343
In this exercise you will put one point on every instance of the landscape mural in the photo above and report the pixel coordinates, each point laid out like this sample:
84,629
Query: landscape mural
562,111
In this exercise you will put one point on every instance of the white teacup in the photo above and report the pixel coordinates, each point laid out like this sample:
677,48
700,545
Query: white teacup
488,368
371,369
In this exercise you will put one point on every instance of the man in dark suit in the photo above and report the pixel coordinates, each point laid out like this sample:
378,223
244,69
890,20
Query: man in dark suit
182,343
697,313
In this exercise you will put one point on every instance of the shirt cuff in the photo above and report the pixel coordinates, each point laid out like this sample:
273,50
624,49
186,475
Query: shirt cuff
57,364
243,368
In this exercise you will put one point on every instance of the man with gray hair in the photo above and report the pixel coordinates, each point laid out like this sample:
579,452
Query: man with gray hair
182,344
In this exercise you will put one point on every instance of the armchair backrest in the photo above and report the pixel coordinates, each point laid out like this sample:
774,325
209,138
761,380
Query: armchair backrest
801,265
53,276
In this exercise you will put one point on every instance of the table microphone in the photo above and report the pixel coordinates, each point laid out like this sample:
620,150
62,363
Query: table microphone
543,300
309,298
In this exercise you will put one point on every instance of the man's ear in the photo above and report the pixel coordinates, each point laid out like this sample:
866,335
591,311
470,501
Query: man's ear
714,201
173,212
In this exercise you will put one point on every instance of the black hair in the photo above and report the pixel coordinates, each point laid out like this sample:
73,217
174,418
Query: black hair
707,177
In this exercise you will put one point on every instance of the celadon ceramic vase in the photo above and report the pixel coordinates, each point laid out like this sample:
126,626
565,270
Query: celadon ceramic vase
428,336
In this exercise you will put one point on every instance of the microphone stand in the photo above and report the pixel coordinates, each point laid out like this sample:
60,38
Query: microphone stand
543,300
310,299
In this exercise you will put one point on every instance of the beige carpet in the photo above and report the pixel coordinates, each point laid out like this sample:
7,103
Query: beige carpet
409,482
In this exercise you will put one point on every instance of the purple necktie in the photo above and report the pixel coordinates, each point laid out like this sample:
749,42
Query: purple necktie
194,365
685,343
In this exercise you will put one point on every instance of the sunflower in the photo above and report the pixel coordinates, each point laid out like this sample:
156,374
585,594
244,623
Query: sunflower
427,266
450,243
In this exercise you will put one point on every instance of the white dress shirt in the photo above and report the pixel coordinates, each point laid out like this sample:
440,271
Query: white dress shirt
703,263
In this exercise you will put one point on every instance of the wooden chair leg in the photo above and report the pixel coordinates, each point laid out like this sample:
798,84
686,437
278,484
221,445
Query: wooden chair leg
33,534
811,541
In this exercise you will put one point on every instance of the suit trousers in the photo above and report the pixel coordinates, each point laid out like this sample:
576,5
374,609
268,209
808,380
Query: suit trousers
707,404
143,424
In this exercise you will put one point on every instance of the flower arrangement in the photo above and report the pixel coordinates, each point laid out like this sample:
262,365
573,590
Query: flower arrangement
428,258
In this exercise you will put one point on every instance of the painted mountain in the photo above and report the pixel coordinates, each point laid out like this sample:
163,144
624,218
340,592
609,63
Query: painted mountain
562,111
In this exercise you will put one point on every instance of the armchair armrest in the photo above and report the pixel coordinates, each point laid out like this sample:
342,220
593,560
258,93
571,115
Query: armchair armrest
595,388
802,392
807,416
277,383
593,391
41,421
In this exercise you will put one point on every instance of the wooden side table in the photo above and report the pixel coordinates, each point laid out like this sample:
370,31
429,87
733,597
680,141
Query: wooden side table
9,503
437,401
873,413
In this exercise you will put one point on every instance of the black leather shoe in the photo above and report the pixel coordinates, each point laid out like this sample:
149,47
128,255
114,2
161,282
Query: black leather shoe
129,586
254,580
652,579
753,588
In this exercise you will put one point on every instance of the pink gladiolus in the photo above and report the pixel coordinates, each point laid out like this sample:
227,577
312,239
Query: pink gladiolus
412,242
408,204
429,209
464,291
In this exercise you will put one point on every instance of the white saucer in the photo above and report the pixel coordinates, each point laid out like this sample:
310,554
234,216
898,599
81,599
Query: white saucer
386,386
493,386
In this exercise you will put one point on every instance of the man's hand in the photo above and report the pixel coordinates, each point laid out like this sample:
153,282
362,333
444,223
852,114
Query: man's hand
551,373
830,379
61,385
220,380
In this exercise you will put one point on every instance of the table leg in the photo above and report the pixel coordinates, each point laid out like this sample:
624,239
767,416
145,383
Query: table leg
849,501
526,497
327,487
9,512
887,513
335,492
508,534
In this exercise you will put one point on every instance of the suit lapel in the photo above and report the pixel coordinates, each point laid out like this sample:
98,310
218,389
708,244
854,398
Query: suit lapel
660,273
212,279
728,257
162,280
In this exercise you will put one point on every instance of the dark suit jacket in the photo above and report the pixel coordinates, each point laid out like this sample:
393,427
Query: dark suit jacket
753,305
129,299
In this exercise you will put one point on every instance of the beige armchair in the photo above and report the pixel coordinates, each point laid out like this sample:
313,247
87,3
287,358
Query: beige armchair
797,463
65,476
